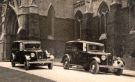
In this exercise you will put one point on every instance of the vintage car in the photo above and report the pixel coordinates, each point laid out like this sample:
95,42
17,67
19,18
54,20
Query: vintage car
30,53
91,56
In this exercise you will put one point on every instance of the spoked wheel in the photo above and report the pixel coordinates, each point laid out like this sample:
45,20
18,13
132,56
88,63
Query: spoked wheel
26,65
66,64
94,67
50,66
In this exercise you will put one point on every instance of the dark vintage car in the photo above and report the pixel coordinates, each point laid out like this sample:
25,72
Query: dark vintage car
30,53
90,55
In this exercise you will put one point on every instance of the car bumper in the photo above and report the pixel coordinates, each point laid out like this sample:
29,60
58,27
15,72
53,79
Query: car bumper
111,67
41,62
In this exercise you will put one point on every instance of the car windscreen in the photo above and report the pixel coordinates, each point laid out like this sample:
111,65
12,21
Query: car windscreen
74,46
32,46
92,47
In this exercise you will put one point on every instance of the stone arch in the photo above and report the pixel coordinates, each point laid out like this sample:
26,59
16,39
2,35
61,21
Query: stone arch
11,21
103,7
50,22
78,24
10,27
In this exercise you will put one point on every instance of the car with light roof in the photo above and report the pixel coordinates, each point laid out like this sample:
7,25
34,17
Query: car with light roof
91,56
29,53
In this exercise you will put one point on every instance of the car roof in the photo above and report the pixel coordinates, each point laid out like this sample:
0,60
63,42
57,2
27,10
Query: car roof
86,42
27,41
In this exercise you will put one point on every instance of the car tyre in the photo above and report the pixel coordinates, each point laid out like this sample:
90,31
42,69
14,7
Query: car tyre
94,67
50,66
118,71
66,64
12,60
26,65
12,63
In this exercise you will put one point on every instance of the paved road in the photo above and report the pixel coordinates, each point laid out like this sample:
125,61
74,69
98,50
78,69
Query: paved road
73,75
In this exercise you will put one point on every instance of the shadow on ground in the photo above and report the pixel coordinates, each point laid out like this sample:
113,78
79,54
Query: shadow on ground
32,67
9,75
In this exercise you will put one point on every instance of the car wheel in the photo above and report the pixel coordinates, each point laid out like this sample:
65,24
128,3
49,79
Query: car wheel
94,67
86,68
12,60
118,71
26,65
50,66
66,64
12,63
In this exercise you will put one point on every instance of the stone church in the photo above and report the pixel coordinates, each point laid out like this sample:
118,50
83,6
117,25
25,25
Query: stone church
53,22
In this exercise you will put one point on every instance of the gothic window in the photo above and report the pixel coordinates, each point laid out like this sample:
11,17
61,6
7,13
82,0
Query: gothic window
78,24
103,11
50,21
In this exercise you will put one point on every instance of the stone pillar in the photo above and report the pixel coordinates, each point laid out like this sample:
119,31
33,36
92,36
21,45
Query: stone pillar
23,11
22,32
3,34
28,20
85,25
34,32
113,26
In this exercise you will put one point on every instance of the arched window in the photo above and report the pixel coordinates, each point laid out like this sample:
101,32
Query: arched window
50,22
78,24
103,12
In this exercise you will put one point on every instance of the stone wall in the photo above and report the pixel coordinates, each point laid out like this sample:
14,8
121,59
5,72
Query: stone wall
63,8
63,31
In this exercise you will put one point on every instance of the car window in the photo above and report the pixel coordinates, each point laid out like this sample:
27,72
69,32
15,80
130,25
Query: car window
74,46
91,47
32,46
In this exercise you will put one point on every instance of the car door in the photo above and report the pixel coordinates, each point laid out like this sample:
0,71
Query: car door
78,53
15,50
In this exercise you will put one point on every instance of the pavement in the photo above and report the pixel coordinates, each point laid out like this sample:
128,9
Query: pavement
58,74
126,72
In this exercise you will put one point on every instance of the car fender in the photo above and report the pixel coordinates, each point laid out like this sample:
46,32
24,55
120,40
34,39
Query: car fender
66,55
97,59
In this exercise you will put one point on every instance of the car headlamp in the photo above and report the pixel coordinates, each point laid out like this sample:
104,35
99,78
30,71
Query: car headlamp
32,54
103,58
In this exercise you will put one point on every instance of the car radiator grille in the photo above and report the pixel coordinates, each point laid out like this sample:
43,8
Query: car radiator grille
109,60
40,55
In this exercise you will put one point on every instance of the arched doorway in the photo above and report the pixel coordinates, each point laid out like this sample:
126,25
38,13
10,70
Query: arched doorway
10,27
78,25
103,14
